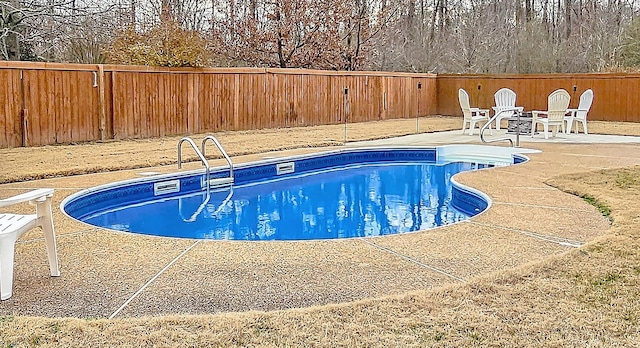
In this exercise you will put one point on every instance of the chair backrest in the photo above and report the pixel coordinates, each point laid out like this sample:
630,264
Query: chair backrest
585,104
505,97
558,103
463,98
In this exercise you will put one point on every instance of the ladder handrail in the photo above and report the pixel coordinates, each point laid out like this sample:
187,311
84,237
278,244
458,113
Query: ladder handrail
221,149
492,119
200,155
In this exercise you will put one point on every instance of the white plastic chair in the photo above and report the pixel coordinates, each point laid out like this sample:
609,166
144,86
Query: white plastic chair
471,115
12,226
580,114
505,99
557,104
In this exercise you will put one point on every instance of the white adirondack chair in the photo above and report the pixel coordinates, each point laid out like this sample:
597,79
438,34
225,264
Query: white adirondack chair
580,114
557,104
471,115
505,99
12,226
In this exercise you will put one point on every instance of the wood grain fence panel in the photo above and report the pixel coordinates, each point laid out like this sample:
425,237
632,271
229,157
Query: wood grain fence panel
42,119
62,105
63,128
120,105
611,89
355,96
11,111
279,102
229,115
312,101
170,102
631,104
216,111
108,104
379,96
85,106
71,113
427,99
63,108
48,115
155,104
612,100
362,100
242,88
209,110
148,122
179,115
205,103
317,99
192,103
261,109
32,102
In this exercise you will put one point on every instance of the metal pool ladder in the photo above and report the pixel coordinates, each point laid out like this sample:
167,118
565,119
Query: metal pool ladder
218,182
488,124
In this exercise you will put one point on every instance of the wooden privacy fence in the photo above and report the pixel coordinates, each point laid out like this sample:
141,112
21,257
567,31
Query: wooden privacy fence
46,103
616,96
61,103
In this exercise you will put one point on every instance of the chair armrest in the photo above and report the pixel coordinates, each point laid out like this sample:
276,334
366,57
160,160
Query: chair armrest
38,194
479,111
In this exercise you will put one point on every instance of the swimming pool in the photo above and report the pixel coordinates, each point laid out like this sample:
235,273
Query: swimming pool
337,194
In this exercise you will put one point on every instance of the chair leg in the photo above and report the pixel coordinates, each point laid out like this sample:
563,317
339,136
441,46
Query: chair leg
584,126
46,219
546,130
464,125
7,249
533,126
471,127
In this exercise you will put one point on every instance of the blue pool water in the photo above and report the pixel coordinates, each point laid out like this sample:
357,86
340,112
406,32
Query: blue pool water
345,200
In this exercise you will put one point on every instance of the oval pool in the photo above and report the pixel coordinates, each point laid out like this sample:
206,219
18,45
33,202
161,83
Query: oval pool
338,194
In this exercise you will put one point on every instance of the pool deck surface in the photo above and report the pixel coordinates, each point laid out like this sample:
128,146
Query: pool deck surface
114,274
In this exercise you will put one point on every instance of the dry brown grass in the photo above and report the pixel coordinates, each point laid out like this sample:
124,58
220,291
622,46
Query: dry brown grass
20,164
586,297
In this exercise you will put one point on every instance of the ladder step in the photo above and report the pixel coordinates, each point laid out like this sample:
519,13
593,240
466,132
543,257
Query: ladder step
220,182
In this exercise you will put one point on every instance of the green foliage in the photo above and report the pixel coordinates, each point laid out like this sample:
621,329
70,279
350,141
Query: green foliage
166,44
604,209
631,45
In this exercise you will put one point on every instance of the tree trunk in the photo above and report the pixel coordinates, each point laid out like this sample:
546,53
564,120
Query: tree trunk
567,17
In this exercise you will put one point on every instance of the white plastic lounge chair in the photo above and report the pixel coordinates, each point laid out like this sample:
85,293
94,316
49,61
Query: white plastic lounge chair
505,99
12,226
471,115
557,104
580,114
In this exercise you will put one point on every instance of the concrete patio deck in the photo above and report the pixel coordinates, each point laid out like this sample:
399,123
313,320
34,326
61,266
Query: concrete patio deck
114,274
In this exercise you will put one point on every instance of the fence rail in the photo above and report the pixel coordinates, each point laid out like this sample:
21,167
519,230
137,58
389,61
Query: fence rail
48,103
